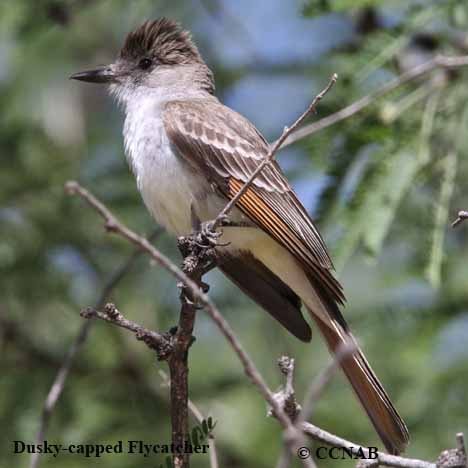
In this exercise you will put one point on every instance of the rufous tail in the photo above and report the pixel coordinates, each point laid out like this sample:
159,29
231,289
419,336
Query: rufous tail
385,418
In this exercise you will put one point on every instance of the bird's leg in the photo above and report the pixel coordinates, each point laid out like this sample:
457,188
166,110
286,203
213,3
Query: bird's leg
204,233
198,252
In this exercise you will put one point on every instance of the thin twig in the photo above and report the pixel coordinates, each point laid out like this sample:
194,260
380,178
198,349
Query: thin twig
461,449
287,395
437,62
287,398
460,438
58,385
462,216
160,342
57,388
113,225
272,152
384,459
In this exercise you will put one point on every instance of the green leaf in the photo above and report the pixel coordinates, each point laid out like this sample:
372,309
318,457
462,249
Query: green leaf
205,428
197,435
211,424
434,268
393,184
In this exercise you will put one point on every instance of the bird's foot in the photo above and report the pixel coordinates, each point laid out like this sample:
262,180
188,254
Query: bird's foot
208,237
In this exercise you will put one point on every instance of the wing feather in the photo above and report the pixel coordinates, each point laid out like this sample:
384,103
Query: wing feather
228,148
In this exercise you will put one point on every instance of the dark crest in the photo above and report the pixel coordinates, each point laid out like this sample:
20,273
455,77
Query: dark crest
163,40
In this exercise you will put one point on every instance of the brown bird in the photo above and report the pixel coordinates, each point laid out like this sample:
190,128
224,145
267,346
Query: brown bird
189,151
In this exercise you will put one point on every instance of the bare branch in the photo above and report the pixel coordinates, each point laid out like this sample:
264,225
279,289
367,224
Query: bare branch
112,224
60,379
57,388
438,62
454,458
198,415
287,399
287,395
272,152
159,342
197,261
462,216
384,459
460,438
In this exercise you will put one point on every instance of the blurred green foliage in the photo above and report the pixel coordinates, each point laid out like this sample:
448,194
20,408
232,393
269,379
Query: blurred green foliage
395,176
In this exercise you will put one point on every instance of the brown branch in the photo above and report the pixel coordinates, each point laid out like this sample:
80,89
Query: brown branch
462,216
178,370
60,379
287,396
292,436
197,261
159,342
272,152
438,62
287,399
198,415
113,225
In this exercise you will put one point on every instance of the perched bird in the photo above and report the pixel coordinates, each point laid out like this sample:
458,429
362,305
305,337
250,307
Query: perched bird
190,152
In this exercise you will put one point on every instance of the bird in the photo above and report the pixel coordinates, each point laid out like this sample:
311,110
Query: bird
190,153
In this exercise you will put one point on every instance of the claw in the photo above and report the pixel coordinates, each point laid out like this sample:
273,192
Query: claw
207,236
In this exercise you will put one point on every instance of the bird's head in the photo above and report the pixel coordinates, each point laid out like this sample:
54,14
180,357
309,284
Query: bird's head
158,54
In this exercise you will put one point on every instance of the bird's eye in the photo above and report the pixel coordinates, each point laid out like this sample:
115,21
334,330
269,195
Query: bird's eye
145,63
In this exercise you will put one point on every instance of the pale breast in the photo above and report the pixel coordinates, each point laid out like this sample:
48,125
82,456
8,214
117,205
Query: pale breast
167,184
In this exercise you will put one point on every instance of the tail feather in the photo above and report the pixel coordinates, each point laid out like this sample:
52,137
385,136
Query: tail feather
383,415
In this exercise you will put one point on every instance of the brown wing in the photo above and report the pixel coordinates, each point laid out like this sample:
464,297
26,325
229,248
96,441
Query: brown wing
228,148
276,297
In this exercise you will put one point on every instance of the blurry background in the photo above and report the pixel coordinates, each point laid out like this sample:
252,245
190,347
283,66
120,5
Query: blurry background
383,185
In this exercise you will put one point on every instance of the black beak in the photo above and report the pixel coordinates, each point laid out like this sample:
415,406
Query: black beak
100,75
